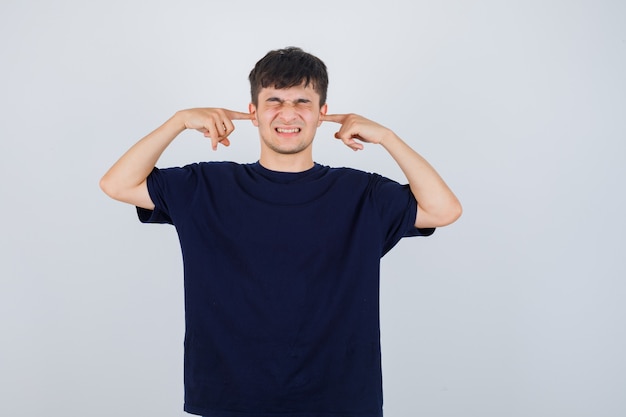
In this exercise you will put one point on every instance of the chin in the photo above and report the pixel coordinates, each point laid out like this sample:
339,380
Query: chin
287,150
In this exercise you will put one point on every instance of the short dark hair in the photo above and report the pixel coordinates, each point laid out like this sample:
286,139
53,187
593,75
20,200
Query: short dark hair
289,67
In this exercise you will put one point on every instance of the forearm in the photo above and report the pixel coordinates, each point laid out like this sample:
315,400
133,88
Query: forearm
132,169
437,204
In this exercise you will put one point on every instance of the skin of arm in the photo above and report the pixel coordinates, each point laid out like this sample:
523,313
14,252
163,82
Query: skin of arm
126,180
437,204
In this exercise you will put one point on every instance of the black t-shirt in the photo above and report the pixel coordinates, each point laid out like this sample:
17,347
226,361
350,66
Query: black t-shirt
282,284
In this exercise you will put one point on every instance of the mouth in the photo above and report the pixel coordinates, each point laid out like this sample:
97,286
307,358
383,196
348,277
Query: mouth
290,130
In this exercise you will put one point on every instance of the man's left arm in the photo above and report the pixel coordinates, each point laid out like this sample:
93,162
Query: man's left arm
437,204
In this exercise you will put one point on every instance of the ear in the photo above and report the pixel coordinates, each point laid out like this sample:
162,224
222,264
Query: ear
323,111
252,111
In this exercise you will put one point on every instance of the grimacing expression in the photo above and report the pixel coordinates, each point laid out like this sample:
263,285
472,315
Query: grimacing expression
287,118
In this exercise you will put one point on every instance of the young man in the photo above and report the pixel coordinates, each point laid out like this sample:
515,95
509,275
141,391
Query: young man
281,257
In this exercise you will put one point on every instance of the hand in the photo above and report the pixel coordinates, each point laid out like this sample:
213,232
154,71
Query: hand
213,123
354,127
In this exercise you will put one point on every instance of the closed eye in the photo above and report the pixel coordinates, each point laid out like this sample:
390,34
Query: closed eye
300,101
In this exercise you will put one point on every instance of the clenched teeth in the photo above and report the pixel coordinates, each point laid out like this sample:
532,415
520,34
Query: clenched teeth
292,130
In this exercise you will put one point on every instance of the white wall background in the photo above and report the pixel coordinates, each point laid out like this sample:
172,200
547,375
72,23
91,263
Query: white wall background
516,310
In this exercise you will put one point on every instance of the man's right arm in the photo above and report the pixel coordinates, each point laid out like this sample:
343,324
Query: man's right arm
126,180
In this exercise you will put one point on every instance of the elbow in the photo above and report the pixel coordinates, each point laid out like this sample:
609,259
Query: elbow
104,185
109,188
449,215
453,213
120,191
443,216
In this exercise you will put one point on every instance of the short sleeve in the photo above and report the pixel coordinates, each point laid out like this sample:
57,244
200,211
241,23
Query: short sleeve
169,190
397,209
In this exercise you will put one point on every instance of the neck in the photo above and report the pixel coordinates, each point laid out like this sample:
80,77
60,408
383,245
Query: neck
299,162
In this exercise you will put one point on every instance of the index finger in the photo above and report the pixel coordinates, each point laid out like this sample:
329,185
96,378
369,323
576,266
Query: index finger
237,115
336,118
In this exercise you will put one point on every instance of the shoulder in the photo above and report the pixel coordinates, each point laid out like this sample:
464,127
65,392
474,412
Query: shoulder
201,168
349,173
359,176
193,175
214,166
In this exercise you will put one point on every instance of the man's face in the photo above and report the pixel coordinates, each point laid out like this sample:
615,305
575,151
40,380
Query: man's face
287,118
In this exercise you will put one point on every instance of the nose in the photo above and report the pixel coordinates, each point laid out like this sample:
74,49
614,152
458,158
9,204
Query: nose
288,112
